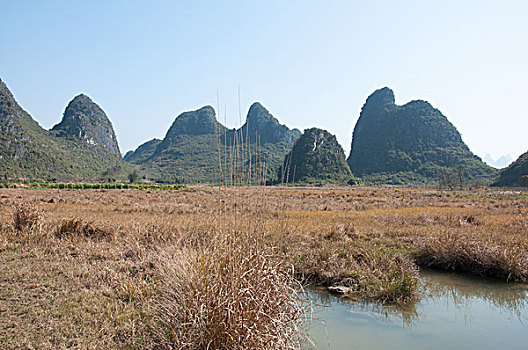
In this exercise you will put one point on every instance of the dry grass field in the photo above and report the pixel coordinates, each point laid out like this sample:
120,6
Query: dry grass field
223,268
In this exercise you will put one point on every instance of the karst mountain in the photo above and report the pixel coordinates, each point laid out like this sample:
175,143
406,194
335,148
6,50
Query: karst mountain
80,148
317,158
515,175
198,148
411,143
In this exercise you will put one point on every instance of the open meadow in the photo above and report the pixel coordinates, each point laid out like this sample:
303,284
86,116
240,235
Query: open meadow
223,268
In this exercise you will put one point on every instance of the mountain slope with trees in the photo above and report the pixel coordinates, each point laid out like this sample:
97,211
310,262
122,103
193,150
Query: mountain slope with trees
29,151
413,143
516,175
316,157
198,148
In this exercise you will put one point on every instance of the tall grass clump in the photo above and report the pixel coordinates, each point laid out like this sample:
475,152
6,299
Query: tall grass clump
379,275
382,276
77,227
471,253
228,293
26,218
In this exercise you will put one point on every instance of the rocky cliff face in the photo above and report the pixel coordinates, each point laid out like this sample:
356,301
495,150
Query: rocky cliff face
20,135
29,151
315,157
200,122
410,143
85,120
261,122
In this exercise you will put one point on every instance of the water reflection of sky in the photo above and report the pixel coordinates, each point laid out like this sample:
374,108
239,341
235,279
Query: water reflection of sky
456,312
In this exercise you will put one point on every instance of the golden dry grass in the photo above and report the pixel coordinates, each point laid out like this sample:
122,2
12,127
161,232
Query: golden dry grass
221,267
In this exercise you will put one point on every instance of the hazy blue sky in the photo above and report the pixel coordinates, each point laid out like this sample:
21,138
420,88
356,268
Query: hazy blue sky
311,63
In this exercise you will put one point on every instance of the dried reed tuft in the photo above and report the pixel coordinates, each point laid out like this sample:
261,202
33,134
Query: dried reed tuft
471,253
26,218
77,227
229,293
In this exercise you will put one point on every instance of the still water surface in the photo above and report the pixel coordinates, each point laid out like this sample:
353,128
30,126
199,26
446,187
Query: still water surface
456,312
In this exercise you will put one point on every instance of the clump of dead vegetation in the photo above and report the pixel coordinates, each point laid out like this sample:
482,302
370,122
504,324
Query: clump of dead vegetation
230,293
356,270
26,218
175,284
382,276
77,227
474,254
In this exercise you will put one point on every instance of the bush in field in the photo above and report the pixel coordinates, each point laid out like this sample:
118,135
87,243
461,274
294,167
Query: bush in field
133,176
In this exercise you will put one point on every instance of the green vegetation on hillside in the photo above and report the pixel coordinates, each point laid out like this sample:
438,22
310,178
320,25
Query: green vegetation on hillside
29,151
516,175
316,157
409,144
413,143
198,148
143,152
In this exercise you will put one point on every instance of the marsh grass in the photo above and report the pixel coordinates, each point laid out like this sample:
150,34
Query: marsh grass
77,227
359,271
26,218
229,294
222,267
471,253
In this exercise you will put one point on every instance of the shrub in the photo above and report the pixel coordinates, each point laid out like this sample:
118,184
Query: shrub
133,176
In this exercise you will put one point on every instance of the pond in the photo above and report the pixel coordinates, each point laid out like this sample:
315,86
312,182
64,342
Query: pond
456,312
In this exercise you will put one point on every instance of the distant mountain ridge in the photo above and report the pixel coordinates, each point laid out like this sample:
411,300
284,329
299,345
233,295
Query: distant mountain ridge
200,122
412,143
261,122
198,148
500,163
28,150
143,152
394,144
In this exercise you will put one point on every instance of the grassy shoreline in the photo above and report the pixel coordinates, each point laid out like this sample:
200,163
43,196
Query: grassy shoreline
223,266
